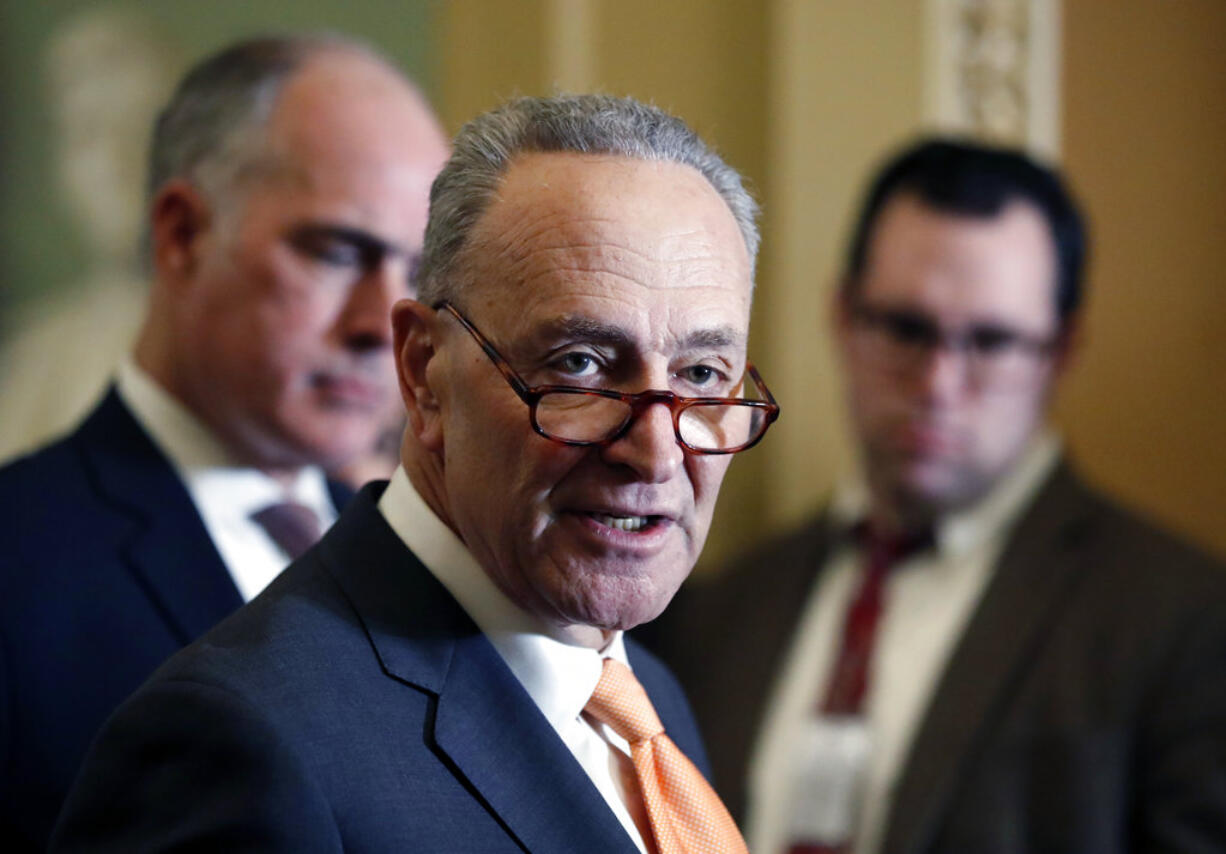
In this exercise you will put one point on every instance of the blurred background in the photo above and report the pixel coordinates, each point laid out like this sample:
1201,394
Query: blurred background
803,96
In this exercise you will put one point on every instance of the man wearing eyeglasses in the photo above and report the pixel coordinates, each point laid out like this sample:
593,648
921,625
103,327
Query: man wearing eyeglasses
447,670
969,649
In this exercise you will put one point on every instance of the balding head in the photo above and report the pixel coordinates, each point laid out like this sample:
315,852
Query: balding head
280,240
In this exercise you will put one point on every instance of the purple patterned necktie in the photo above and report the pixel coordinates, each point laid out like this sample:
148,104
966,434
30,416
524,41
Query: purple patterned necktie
292,526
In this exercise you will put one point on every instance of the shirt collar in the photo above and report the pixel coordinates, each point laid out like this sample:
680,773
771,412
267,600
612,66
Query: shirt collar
559,677
957,533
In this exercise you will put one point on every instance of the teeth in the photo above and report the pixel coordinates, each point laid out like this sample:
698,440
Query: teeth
622,523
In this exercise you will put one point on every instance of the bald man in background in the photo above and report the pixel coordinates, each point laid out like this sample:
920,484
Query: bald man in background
289,182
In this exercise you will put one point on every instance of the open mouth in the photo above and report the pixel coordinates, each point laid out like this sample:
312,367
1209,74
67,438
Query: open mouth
625,523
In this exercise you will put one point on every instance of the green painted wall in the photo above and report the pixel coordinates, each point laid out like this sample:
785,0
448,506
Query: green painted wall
41,250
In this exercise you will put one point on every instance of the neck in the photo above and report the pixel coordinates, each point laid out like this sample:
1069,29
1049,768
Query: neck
893,517
151,357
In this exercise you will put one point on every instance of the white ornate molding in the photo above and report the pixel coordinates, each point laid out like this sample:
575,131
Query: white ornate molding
993,71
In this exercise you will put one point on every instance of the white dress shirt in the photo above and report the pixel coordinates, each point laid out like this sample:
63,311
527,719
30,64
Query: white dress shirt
225,493
927,602
559,677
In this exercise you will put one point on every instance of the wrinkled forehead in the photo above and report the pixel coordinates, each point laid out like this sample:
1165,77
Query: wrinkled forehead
586,233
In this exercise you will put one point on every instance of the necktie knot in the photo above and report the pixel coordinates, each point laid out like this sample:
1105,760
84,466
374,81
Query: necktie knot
620,702
886,549
292,526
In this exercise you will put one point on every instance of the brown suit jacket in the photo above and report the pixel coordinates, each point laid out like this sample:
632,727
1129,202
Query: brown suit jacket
1083,709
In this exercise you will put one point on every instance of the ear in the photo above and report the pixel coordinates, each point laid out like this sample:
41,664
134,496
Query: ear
1068,345
414,331
179,218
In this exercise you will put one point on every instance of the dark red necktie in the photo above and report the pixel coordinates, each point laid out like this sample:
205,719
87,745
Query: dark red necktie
848,682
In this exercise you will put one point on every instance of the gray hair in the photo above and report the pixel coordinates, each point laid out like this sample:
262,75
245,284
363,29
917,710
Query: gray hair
586,124
210,133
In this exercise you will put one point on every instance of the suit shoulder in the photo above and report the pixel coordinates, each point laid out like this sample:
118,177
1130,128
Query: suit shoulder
1147,548
802,542
300,617
788,561
54,468
48,499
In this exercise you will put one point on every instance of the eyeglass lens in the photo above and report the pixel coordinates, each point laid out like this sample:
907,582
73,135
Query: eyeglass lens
579,417
905,340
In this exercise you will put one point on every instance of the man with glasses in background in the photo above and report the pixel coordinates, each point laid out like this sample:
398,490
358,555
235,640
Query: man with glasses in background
446,670
969,649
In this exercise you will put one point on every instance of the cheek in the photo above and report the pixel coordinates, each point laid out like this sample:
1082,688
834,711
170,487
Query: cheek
1004,426
706,473
872,397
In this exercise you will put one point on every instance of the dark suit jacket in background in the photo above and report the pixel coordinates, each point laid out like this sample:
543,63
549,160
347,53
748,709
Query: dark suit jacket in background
106,570
1083,709
352,706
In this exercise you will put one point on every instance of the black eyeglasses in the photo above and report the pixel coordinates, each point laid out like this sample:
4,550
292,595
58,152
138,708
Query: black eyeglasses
584,416
902,341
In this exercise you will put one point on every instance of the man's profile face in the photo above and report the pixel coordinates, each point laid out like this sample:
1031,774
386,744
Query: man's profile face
602,272
288,315
933,435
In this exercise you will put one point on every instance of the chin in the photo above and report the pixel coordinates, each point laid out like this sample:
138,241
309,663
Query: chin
613,607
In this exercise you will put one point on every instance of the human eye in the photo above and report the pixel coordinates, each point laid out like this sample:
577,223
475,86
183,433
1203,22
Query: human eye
991,340
341,246
910,330
575,364
706,378
327,246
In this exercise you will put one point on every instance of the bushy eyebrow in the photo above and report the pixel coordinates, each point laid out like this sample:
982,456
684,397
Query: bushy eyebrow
587,329
595,331
718,338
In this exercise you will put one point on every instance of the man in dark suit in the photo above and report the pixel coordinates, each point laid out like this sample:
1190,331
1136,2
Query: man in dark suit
289,186
969,649
446,670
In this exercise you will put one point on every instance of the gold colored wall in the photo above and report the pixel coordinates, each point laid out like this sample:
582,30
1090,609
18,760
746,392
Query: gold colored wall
1145,142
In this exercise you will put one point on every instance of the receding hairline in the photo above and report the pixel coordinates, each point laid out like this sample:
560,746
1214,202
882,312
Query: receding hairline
279,125
483,240
304,54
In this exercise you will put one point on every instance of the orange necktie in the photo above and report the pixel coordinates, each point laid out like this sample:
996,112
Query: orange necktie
687,817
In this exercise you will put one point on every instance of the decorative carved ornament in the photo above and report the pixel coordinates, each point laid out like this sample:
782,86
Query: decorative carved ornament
993,70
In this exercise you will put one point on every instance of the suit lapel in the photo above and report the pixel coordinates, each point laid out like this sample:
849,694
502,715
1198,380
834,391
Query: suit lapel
1031,580
499,741
167,547
340,494
485,725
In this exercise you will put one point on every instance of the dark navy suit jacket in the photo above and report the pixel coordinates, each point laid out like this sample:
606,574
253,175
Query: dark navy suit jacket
106,570
352,706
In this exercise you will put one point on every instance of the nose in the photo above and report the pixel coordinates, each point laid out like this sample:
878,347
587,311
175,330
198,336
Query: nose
366,319
944,373
649,447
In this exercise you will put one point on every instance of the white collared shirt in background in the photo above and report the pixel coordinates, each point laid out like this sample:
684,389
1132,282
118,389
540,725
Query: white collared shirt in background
928,600
558,676
225,493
